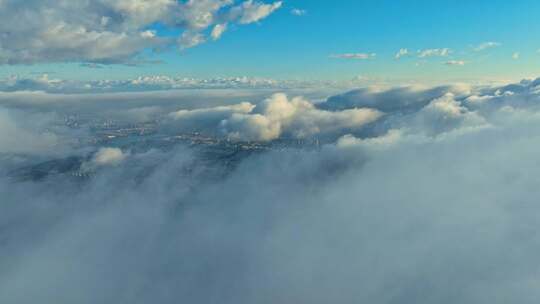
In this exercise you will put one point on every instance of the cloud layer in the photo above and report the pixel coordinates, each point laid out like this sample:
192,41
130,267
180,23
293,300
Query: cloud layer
50,84
436,201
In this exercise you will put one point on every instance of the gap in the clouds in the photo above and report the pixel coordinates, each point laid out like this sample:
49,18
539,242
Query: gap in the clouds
163,30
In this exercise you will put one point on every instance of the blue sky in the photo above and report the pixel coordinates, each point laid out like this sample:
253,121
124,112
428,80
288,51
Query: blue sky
287,46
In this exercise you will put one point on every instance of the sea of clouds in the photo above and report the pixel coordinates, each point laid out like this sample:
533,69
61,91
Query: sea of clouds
415,195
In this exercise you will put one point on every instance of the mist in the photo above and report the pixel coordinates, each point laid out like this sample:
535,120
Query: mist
432,200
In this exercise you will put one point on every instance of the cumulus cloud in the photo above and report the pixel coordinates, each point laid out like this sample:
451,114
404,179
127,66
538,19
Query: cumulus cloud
443,115
108,156
207,118
275,117
486,45
434,52
111,31
102,158
360,56
37,31
252,11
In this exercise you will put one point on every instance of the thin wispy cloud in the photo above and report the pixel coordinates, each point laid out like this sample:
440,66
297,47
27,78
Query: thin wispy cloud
253,11
486,45
359,56
455,62
434,52
190,39
298,12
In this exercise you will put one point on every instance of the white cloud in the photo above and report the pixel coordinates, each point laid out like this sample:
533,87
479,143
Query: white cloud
298,12
516,55
434,52
107,31
155,82
443,115
455,62
108,156
215,113
486,45
218,30
275,117
104,157
394,100
190,39
148,34
252,11
361,56
401,53
199,15
381,142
